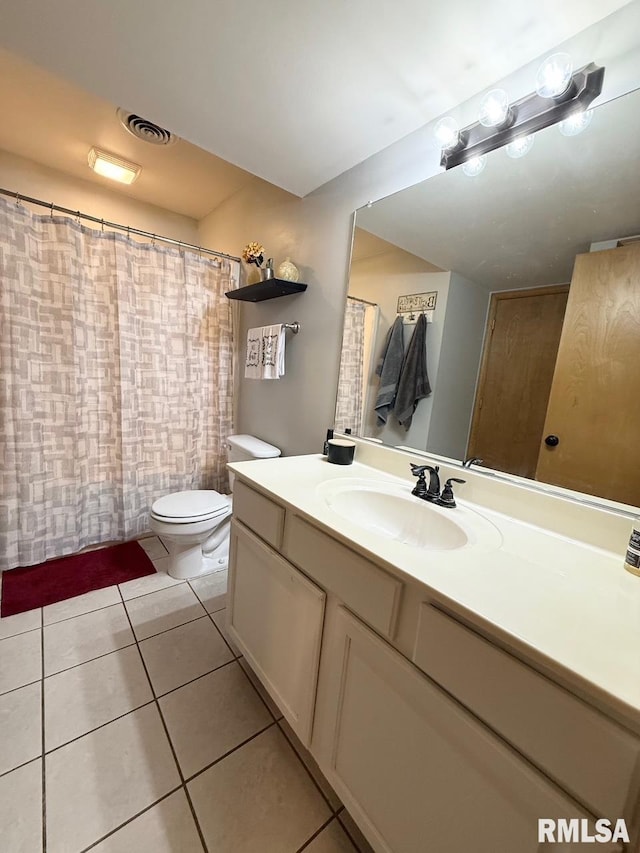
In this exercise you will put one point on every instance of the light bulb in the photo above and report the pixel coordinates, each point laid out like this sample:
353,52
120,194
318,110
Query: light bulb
494,108
520,146
576,123
554,75
447,132
474,166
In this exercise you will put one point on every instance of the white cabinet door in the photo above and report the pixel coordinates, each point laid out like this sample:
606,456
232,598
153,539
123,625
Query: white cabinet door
418,772
276,616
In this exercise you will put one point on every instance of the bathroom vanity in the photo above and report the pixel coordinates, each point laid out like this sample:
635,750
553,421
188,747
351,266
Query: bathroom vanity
456,679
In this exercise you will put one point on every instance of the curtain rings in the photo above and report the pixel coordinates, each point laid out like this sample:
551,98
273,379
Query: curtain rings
78,217
102,225
51,210
17,199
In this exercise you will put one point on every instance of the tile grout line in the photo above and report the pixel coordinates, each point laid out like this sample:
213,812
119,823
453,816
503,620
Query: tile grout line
125,713
166,731
308,772
28,684
229,752
42,743
20,766
316,834
131,819
105,654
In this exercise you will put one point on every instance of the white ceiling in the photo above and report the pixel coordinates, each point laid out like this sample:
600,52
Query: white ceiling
520,223
55,123
293,92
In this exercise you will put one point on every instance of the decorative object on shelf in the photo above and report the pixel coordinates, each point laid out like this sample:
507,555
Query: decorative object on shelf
268,289
253,253
562,96
288,271
267,271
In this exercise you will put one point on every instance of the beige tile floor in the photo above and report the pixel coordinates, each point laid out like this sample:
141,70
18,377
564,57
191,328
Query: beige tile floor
130,724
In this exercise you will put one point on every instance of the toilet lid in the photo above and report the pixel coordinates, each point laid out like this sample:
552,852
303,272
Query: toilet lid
195,505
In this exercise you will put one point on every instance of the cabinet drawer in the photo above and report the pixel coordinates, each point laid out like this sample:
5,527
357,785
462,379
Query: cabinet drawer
259,513
367,590
590,756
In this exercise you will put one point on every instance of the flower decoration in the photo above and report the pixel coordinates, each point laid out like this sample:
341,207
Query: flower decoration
253,253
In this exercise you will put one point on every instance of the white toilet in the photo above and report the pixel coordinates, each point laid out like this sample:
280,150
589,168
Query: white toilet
195,525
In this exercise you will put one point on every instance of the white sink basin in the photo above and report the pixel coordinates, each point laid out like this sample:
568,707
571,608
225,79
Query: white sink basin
390,510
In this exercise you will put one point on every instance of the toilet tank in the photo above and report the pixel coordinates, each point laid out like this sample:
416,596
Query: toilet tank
243,447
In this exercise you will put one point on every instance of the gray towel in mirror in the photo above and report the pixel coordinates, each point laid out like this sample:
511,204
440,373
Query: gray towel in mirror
388,370
413,385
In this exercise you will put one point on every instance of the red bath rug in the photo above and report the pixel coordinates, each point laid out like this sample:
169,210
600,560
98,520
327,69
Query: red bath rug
57,580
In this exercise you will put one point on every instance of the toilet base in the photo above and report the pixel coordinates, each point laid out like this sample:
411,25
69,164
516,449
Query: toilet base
187,562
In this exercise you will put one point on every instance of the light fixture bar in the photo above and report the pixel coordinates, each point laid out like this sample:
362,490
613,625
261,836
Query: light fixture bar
529,114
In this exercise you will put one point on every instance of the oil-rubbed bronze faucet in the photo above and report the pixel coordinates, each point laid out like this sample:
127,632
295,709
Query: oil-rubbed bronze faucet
446,499
432,493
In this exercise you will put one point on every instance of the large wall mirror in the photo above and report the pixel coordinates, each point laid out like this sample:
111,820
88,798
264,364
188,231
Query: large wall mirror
533,346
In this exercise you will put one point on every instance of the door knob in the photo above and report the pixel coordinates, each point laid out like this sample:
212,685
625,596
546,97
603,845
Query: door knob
552,441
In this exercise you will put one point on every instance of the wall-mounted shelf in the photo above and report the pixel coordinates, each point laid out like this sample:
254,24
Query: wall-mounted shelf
268,289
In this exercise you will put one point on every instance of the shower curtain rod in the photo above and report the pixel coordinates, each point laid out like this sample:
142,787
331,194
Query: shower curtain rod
365,301
103,222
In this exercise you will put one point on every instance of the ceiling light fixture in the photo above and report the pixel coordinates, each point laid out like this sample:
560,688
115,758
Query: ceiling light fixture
113,167
529,114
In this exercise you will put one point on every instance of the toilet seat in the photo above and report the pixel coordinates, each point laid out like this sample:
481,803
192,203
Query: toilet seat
191,506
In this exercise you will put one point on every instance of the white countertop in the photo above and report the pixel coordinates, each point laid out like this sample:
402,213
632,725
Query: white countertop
568,605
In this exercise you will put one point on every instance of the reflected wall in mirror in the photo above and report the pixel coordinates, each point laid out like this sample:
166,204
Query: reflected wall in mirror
534,348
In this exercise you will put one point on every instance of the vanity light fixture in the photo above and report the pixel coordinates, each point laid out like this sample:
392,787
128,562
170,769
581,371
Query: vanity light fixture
576,122
474,166
566,94
520,146
554,76
447,133
113,167
494,109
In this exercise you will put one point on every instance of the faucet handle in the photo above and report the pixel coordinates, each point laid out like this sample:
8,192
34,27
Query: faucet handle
446,498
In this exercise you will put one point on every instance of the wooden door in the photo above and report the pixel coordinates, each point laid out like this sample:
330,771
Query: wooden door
594,406
521,343
414,769
276,616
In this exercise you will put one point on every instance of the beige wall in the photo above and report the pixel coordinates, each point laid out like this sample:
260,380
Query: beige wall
29,178
294,412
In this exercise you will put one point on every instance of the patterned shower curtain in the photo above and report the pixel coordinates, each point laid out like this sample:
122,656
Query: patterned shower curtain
351,375
115,382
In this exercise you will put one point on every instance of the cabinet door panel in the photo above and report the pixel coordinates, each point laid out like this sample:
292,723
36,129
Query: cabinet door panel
276,616
415,770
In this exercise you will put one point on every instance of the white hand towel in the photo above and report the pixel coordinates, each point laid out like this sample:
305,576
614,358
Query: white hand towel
253,362
273,351
265,352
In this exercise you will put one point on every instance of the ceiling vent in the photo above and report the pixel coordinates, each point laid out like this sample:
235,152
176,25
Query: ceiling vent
146,130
